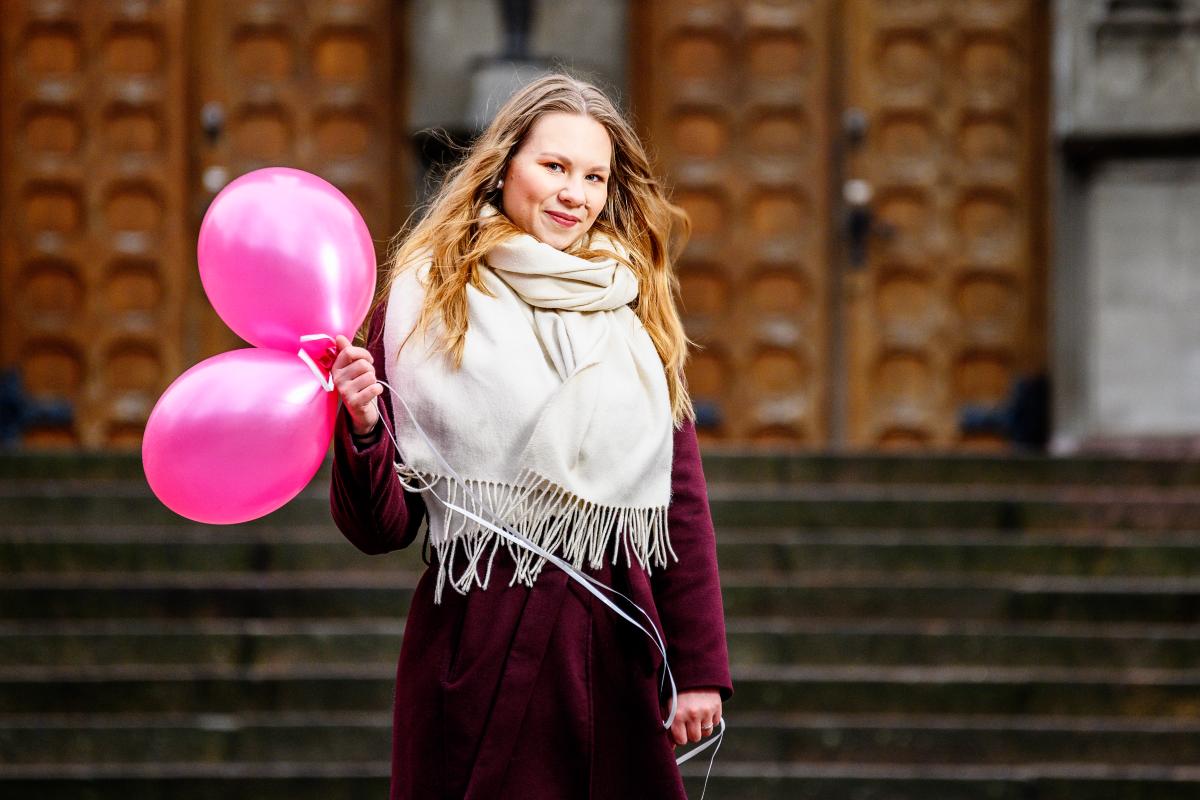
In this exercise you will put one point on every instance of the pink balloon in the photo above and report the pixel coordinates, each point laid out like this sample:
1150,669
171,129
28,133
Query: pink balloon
282,254
238,435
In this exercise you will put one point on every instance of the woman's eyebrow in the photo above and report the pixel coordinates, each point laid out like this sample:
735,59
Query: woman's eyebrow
569,162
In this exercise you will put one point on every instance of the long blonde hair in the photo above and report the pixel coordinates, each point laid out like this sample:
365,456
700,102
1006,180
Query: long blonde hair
456,236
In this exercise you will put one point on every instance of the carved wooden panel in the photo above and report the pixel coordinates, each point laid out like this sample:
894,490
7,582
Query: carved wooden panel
948,310
732,98
744,103
120,120
92,188
299,83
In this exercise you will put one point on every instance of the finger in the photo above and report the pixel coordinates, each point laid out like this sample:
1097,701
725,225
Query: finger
679,732
343,359
364,398
361,400
352,353
353,371
362,403
349,354
693,730
364,381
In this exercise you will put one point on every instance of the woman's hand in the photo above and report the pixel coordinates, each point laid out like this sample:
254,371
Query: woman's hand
354,376
697,715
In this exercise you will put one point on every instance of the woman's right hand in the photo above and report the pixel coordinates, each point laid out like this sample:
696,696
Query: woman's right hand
354,376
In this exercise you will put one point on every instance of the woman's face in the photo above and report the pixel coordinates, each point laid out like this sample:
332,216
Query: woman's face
557,182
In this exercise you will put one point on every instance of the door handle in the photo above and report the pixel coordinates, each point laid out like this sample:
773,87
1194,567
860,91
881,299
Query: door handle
861,223
212,121
859,219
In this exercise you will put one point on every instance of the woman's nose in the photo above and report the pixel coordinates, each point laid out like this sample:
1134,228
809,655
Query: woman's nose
572,192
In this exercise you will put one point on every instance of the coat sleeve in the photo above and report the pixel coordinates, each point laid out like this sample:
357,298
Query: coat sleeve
687,594
367,502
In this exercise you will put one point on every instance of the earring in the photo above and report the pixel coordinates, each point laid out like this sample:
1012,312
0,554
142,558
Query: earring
500,183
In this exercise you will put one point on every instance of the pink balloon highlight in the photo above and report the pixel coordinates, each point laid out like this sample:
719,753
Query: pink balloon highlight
238,435
282,254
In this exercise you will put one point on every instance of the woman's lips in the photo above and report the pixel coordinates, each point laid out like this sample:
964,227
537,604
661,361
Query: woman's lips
566,220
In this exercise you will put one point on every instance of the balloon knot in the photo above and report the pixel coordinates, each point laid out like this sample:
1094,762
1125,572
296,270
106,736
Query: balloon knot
319,357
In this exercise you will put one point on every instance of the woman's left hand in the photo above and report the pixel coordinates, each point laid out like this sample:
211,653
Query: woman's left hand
697,715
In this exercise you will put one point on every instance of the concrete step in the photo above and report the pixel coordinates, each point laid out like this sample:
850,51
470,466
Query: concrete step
900,627
317,779
744,780
33,466
133,738
1011,597
212,642
321,547
789,468
26,548
821,506
225,595
823,594
938,641
978,740
778,688
349,737
970,690
969,507
759,465
929,642
762,780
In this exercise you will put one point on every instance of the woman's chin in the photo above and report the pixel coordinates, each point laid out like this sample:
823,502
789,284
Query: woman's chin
559,240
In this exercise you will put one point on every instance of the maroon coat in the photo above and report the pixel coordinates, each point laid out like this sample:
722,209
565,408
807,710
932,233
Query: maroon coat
542,693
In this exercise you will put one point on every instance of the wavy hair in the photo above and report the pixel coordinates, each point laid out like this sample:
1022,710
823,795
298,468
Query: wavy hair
455,236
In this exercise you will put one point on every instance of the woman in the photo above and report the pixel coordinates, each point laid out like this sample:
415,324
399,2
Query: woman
529,325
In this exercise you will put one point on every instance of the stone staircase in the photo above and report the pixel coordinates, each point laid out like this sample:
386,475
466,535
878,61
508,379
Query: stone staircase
901,627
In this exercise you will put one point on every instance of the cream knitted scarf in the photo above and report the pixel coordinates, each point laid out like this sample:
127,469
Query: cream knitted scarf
558,422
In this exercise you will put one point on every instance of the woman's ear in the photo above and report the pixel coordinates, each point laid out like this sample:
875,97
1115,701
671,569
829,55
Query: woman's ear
497,190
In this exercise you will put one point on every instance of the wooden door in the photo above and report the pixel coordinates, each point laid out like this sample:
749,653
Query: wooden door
733,99
752,109
948,310
301,83
119,123
92,203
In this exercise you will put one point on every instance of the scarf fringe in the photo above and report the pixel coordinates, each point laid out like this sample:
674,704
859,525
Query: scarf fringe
578,531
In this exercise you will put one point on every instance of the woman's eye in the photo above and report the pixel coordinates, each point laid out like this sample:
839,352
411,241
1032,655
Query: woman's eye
596,178
554,166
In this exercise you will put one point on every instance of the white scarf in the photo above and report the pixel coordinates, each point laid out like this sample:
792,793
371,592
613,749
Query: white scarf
559,419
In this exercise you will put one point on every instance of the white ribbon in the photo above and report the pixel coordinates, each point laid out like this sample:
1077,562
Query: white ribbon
715,740
503,529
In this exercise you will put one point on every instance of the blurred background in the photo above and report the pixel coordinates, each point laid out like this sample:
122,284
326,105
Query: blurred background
943,276
920,224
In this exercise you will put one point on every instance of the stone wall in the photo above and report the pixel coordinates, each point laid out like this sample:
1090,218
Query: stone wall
1127,270
1128,67
1144,217
589,37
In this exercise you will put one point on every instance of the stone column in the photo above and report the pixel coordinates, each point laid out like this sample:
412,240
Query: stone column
1126,288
